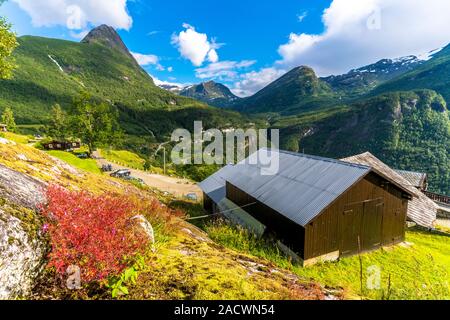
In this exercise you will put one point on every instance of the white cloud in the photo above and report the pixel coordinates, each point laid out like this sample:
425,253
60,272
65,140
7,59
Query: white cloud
77,14
170,69
195,46
223,70
145,59
148,59
213,56
358,32
254,81
302,16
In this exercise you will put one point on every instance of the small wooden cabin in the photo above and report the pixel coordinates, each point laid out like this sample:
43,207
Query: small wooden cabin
61,145
320,208
3,127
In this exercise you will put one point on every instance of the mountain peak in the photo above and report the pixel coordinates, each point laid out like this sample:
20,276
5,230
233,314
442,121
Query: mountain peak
108,36
211,92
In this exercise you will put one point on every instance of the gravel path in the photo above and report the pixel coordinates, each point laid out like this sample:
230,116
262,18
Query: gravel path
176,186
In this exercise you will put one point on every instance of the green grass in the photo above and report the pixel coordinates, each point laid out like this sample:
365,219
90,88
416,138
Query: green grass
125,158
17,138
419,271
84,164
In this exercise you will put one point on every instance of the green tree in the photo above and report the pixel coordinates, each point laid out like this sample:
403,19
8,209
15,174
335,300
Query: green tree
95,123
8,43
58,127
8,119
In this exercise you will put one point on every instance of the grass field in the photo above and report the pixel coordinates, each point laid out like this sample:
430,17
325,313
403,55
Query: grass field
126,158
17,138
418,270
83,164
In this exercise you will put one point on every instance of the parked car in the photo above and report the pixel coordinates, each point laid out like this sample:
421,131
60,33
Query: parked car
82,156
192,197
107,168
122,173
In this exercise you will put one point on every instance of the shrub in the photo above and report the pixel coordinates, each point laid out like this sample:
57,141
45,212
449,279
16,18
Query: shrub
92,232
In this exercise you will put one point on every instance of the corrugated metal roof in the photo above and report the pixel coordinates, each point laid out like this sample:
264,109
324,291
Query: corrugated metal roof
421,209
303,186
416,179
214,185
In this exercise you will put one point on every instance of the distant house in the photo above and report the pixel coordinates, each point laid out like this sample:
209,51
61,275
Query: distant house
416,179
319,208
3,128
61,145
421,210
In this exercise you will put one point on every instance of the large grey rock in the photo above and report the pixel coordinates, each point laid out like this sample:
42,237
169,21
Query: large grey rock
21,257
22,250
20,189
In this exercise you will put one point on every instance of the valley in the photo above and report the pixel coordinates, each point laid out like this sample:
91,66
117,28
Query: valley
326,115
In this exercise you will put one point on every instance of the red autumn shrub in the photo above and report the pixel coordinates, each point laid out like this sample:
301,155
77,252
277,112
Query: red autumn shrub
91,232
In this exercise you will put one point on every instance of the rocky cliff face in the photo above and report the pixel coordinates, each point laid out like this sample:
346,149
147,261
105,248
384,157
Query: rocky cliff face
22,247
108,36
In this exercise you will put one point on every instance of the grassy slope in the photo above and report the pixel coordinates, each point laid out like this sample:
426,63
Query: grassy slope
89,165
124,157
419,270
297,91
106,73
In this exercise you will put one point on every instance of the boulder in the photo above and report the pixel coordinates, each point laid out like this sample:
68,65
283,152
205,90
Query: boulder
21,257
145,226
22,248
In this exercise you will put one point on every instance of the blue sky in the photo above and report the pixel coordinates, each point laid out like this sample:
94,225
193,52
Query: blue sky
243,43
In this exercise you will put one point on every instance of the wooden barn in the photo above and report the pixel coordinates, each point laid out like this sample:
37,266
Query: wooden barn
421,210
320,208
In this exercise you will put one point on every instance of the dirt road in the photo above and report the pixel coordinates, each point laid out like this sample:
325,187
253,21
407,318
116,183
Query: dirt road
176,186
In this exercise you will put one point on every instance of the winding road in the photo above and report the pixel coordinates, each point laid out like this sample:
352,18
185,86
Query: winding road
175,186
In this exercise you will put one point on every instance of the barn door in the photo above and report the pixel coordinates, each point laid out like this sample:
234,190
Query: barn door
350,228
371,225
360,227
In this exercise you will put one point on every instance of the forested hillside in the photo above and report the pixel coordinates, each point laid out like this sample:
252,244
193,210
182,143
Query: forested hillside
408,130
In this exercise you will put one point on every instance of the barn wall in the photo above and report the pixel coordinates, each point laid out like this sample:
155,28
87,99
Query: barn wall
385,220
207,203
290,233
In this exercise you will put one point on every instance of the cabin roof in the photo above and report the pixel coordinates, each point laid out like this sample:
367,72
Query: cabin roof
214,185
300,190
416,179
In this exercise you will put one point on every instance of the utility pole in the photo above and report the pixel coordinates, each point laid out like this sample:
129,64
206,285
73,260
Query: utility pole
164,157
